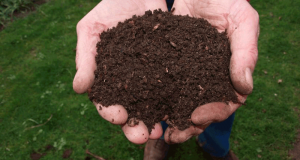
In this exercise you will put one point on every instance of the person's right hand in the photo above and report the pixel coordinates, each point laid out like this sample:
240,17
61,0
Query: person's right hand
106,15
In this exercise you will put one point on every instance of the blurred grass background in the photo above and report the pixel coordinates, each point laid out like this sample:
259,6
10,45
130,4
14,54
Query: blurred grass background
37,67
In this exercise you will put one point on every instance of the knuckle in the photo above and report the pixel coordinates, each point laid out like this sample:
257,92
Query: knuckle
256,15
80,25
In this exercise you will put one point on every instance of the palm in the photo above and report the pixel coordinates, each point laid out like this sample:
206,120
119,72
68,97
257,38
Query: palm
240,21
106,15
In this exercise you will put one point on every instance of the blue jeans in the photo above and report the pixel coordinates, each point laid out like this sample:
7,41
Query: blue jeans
215,138
169,4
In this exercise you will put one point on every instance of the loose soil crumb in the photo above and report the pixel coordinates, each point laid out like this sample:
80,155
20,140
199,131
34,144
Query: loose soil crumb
67,153
160,64
37,156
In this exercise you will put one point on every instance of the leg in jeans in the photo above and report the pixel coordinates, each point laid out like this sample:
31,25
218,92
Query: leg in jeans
215,138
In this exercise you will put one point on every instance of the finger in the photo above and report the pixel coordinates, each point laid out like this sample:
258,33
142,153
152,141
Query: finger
215,111
156,132
244,48
181,8
173,135
137,134
115,114
87,38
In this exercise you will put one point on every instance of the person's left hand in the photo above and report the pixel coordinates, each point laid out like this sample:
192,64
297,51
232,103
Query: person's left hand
242,24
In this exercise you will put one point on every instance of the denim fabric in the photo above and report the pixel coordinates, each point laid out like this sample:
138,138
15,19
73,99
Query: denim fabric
215,138
169,4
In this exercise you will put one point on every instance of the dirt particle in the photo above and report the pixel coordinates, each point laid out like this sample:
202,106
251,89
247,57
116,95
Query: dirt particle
155,27
67,153
87,158
131,22
173,44
165,117
132,122
119,85
104,69
145,79
259,156
265,72
37,156
49,147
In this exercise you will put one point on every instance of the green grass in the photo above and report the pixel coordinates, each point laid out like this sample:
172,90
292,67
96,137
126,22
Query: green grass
9,7
37,67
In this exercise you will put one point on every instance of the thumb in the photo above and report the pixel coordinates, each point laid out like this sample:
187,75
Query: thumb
84,77
244,52
87,38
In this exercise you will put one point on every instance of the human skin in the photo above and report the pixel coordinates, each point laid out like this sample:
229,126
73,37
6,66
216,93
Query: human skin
103,16
236,16
241,22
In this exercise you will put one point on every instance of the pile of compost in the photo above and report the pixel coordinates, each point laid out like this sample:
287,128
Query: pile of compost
162,64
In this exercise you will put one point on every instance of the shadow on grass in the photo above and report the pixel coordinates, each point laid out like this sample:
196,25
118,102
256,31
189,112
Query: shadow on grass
187,150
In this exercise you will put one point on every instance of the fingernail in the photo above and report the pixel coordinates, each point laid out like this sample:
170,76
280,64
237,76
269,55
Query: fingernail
249,80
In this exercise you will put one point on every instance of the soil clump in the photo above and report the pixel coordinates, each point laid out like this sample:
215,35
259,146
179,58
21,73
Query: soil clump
160,64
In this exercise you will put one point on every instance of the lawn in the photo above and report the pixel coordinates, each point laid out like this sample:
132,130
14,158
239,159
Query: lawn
39,107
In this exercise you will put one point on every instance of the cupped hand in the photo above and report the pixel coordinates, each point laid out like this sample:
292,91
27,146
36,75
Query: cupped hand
241,22
106,15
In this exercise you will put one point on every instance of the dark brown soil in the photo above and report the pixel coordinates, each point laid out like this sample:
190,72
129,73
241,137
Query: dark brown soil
67,153
160,64
41,152
37,156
